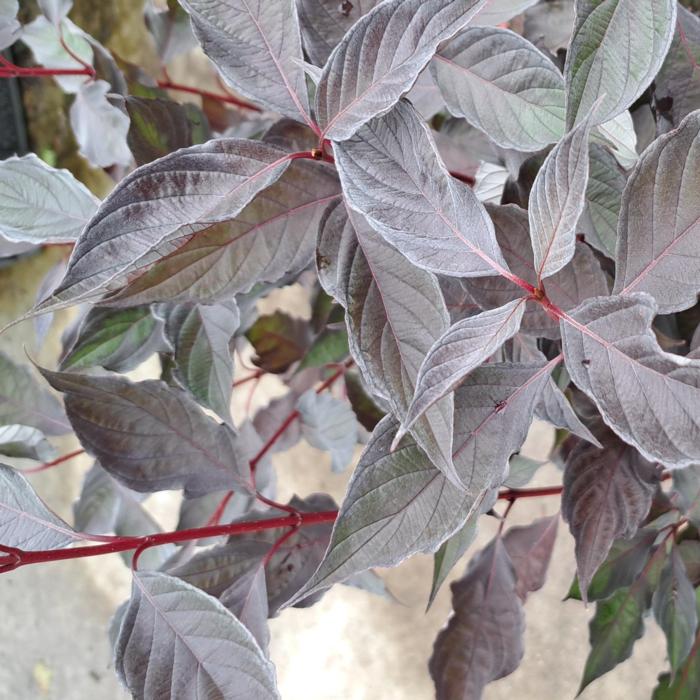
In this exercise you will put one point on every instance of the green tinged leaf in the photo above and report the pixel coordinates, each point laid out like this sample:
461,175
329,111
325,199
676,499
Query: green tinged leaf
674,610
279,341
616,50
116,339
450,552
160,126
618,622
686,684
621,568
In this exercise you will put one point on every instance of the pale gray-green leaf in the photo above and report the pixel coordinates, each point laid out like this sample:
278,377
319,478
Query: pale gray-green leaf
502,84
177,643
41,204
392,175
256,45
557,199
25,401
10,28
116,339
25,522
328,424
658,246
44,39
616,50
99,127
647,396
200,336
381,56
25,442
606,182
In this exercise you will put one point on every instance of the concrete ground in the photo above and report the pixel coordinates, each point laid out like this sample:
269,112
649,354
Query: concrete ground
350,646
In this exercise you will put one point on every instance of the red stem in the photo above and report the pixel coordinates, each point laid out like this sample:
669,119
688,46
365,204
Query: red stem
227,99
256,375
17,557
54,463
12,71
466,179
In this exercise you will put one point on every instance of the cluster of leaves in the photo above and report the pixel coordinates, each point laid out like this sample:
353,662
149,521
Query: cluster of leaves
563,285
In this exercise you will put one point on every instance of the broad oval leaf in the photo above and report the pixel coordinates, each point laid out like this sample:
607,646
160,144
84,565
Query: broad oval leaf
256,45
397,504
151,437
461,349
486,71
117,340
160,205
391,174
271,237
616,50
177,643
659,228
395,312
25,522
200,336
483,640
674,609
41,204
325,22
647,396
99,127
557,199
607,494
381,57
24,401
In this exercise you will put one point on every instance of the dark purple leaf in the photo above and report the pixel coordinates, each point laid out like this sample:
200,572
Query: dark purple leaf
151,437
530,550
607,494
483,640
279,341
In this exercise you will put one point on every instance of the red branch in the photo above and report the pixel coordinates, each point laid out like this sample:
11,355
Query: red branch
54,463
16,557
226,99
10,70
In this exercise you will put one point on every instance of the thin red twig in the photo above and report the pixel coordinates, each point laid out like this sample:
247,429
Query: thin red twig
54,463
14,558
226,99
